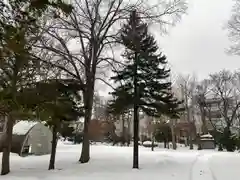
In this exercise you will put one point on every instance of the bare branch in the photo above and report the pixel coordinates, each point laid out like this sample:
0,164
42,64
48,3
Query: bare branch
105,82
224,89
233,27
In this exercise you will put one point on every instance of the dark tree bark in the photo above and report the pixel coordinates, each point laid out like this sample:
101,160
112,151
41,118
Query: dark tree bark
88,102
135,138
203,118
123,130
165,142
190,135
85,154
129,130
153,142
190,140
7,142
135,109
173,136
54,147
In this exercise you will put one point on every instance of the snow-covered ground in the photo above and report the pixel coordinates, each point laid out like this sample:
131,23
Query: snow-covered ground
115,163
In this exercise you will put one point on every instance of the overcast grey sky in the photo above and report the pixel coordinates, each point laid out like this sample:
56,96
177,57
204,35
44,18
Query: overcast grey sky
198,43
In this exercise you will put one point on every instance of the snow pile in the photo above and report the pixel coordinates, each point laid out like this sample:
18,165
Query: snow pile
22,127
147,143
207,137
66,142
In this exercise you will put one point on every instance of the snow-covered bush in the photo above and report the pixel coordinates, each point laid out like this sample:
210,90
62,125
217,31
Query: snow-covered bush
149,144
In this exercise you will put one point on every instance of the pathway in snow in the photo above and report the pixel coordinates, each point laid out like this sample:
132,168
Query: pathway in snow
201,167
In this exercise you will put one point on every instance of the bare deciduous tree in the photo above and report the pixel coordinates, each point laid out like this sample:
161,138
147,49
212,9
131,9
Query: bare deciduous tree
202,90
225,89
83,44
188,86
173,121
233,27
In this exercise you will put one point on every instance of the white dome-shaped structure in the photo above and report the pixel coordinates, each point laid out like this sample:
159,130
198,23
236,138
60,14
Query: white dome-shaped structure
31,137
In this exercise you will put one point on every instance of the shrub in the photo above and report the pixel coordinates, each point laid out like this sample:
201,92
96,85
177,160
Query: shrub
78,138
228,140
149,144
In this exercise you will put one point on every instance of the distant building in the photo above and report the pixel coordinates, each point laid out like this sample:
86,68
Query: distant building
214,114
99,107
144,126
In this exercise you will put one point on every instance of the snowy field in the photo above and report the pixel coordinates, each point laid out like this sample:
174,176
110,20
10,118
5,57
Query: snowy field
115,163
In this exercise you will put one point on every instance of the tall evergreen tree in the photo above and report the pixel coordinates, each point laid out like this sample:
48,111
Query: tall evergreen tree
144,80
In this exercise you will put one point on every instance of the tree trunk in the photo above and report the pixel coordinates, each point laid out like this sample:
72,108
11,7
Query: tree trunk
185,141
165,142
88,102
190,128
190,134
54,147
203,118
188,118
199,142
7,142
173,136
136,106
135,124
85,155
123,130
135,137
129,130
190,140
153,141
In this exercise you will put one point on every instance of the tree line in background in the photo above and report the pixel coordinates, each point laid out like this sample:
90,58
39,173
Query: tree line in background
209,106
52,53
214,103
